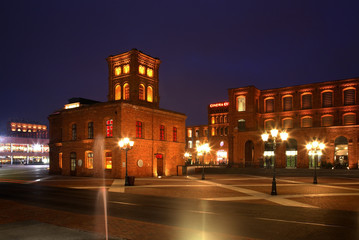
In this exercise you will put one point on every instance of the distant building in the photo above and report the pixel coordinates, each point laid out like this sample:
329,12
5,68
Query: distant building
84,135
25,143
326,111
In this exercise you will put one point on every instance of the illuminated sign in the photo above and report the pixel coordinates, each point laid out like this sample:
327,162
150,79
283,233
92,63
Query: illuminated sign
222,104
159,155
72,105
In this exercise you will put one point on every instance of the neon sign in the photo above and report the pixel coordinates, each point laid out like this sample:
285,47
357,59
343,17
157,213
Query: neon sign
221,104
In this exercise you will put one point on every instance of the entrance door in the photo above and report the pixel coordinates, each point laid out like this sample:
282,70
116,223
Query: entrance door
249,153
73,164
160,166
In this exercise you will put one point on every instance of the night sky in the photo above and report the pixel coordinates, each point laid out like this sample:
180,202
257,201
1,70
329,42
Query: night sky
54,50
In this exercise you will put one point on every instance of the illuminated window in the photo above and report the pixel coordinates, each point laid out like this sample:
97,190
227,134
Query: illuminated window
349,96
108,160
349,119
74,132
327,99
269,105
89,160
141,69
241,103
60,160
174,134
269,124
109,128
190,144
126,68
189,133
287,103
118,92
90,130
307,101
149,94
126,91
213,131
117,71
138,129
141,92
212,120
197,133
162,132
197,143
287,123
150,72
306,122
73,161
327,120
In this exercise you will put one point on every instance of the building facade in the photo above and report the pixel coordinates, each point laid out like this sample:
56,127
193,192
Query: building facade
326,111
84,135
24,143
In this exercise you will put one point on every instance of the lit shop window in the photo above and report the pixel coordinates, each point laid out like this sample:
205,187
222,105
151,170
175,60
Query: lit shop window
141,94
89,160
117,71
108,160
149,94
126,91
73,161
109,128
126,68
141,69
117,92
149,72
241,103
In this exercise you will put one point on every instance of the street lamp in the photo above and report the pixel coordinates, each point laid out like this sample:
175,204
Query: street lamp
186,156
202,150
274,134
126,144
315,148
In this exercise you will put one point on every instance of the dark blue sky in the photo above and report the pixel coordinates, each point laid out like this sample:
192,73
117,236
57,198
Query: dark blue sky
54,50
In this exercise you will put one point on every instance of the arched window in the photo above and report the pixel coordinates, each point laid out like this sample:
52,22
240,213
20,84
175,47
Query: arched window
349,96
118,92
149,94
306,122
287,103
141,92
349,119
327,120
287,123
241,103
269,124
269,105
306,101
126,91
327,98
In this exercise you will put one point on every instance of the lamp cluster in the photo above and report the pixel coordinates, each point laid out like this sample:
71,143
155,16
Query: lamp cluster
126,143
315,148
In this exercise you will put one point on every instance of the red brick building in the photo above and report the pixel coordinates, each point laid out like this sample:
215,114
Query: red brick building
84,135
326,111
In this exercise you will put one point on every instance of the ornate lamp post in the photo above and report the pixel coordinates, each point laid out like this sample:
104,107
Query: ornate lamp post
126,144
274,134
315,148
202,150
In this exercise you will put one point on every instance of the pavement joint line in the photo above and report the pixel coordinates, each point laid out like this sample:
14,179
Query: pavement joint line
298,222
125,203
281,201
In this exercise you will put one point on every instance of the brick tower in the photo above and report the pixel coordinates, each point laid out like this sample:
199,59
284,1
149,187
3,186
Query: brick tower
133,78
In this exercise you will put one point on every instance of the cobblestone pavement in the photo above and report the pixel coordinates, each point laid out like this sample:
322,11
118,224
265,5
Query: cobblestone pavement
331,192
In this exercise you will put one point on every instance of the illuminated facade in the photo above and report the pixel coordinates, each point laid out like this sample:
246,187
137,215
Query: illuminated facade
84,138
215,133
30,130
327,111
